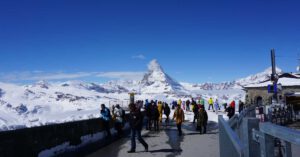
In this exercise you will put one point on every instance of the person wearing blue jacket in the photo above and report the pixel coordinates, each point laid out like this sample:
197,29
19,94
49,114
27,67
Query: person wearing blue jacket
106,118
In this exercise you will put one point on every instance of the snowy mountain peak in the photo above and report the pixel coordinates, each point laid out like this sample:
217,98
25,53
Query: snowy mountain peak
155,66
259,77
157,81
269,71
42,84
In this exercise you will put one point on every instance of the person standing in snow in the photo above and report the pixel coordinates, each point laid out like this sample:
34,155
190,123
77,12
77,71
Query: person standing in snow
106,118
179,117
118,117
211,104
136,125
202,120
216,105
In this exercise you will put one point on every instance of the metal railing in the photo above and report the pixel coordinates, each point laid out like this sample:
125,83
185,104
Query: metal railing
245,136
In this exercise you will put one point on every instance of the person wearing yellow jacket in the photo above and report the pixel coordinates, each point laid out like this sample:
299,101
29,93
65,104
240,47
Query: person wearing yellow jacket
211,103
179,117
179,102
160,110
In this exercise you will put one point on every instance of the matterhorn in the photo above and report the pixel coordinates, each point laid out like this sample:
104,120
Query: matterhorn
156,81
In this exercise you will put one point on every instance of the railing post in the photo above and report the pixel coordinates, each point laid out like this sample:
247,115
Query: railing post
266,145
251,148
288,149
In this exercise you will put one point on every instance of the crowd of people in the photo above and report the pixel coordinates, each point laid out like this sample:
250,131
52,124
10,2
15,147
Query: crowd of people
153,113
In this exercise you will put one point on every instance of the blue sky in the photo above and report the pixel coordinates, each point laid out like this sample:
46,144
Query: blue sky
195,41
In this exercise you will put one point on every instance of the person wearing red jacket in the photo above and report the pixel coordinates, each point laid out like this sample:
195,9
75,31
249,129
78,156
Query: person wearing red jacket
232,104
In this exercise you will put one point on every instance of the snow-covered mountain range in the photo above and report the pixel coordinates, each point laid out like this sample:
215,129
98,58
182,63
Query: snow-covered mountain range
44,103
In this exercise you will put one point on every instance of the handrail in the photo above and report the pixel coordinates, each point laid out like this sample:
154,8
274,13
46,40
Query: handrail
236,119
232,135
286,134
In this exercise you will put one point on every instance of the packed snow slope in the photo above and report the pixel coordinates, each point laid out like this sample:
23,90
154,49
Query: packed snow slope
45,103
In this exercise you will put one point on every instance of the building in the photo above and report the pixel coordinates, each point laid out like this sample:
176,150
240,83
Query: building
288,91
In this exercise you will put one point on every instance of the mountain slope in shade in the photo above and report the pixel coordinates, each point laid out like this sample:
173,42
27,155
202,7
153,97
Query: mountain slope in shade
157,81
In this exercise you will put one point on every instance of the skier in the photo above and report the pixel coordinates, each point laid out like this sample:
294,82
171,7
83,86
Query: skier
106,118
136,125
179,116
202,121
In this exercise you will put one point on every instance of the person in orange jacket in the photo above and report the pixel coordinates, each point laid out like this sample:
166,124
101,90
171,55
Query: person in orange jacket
160,110
179,117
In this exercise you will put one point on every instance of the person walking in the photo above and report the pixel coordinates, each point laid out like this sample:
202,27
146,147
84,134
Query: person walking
148,111
160,111
202,121
118,119
196,111
155,116
188,102
167,112
136,125
106,118
211,103
179,117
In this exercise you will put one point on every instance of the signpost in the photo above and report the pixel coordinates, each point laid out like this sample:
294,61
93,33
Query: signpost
131,99
274,77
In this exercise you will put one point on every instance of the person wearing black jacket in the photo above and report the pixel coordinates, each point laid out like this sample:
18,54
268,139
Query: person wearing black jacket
230,111
136,125
167,112
196,111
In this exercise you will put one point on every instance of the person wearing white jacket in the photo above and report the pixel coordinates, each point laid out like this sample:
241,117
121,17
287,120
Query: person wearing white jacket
118,117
